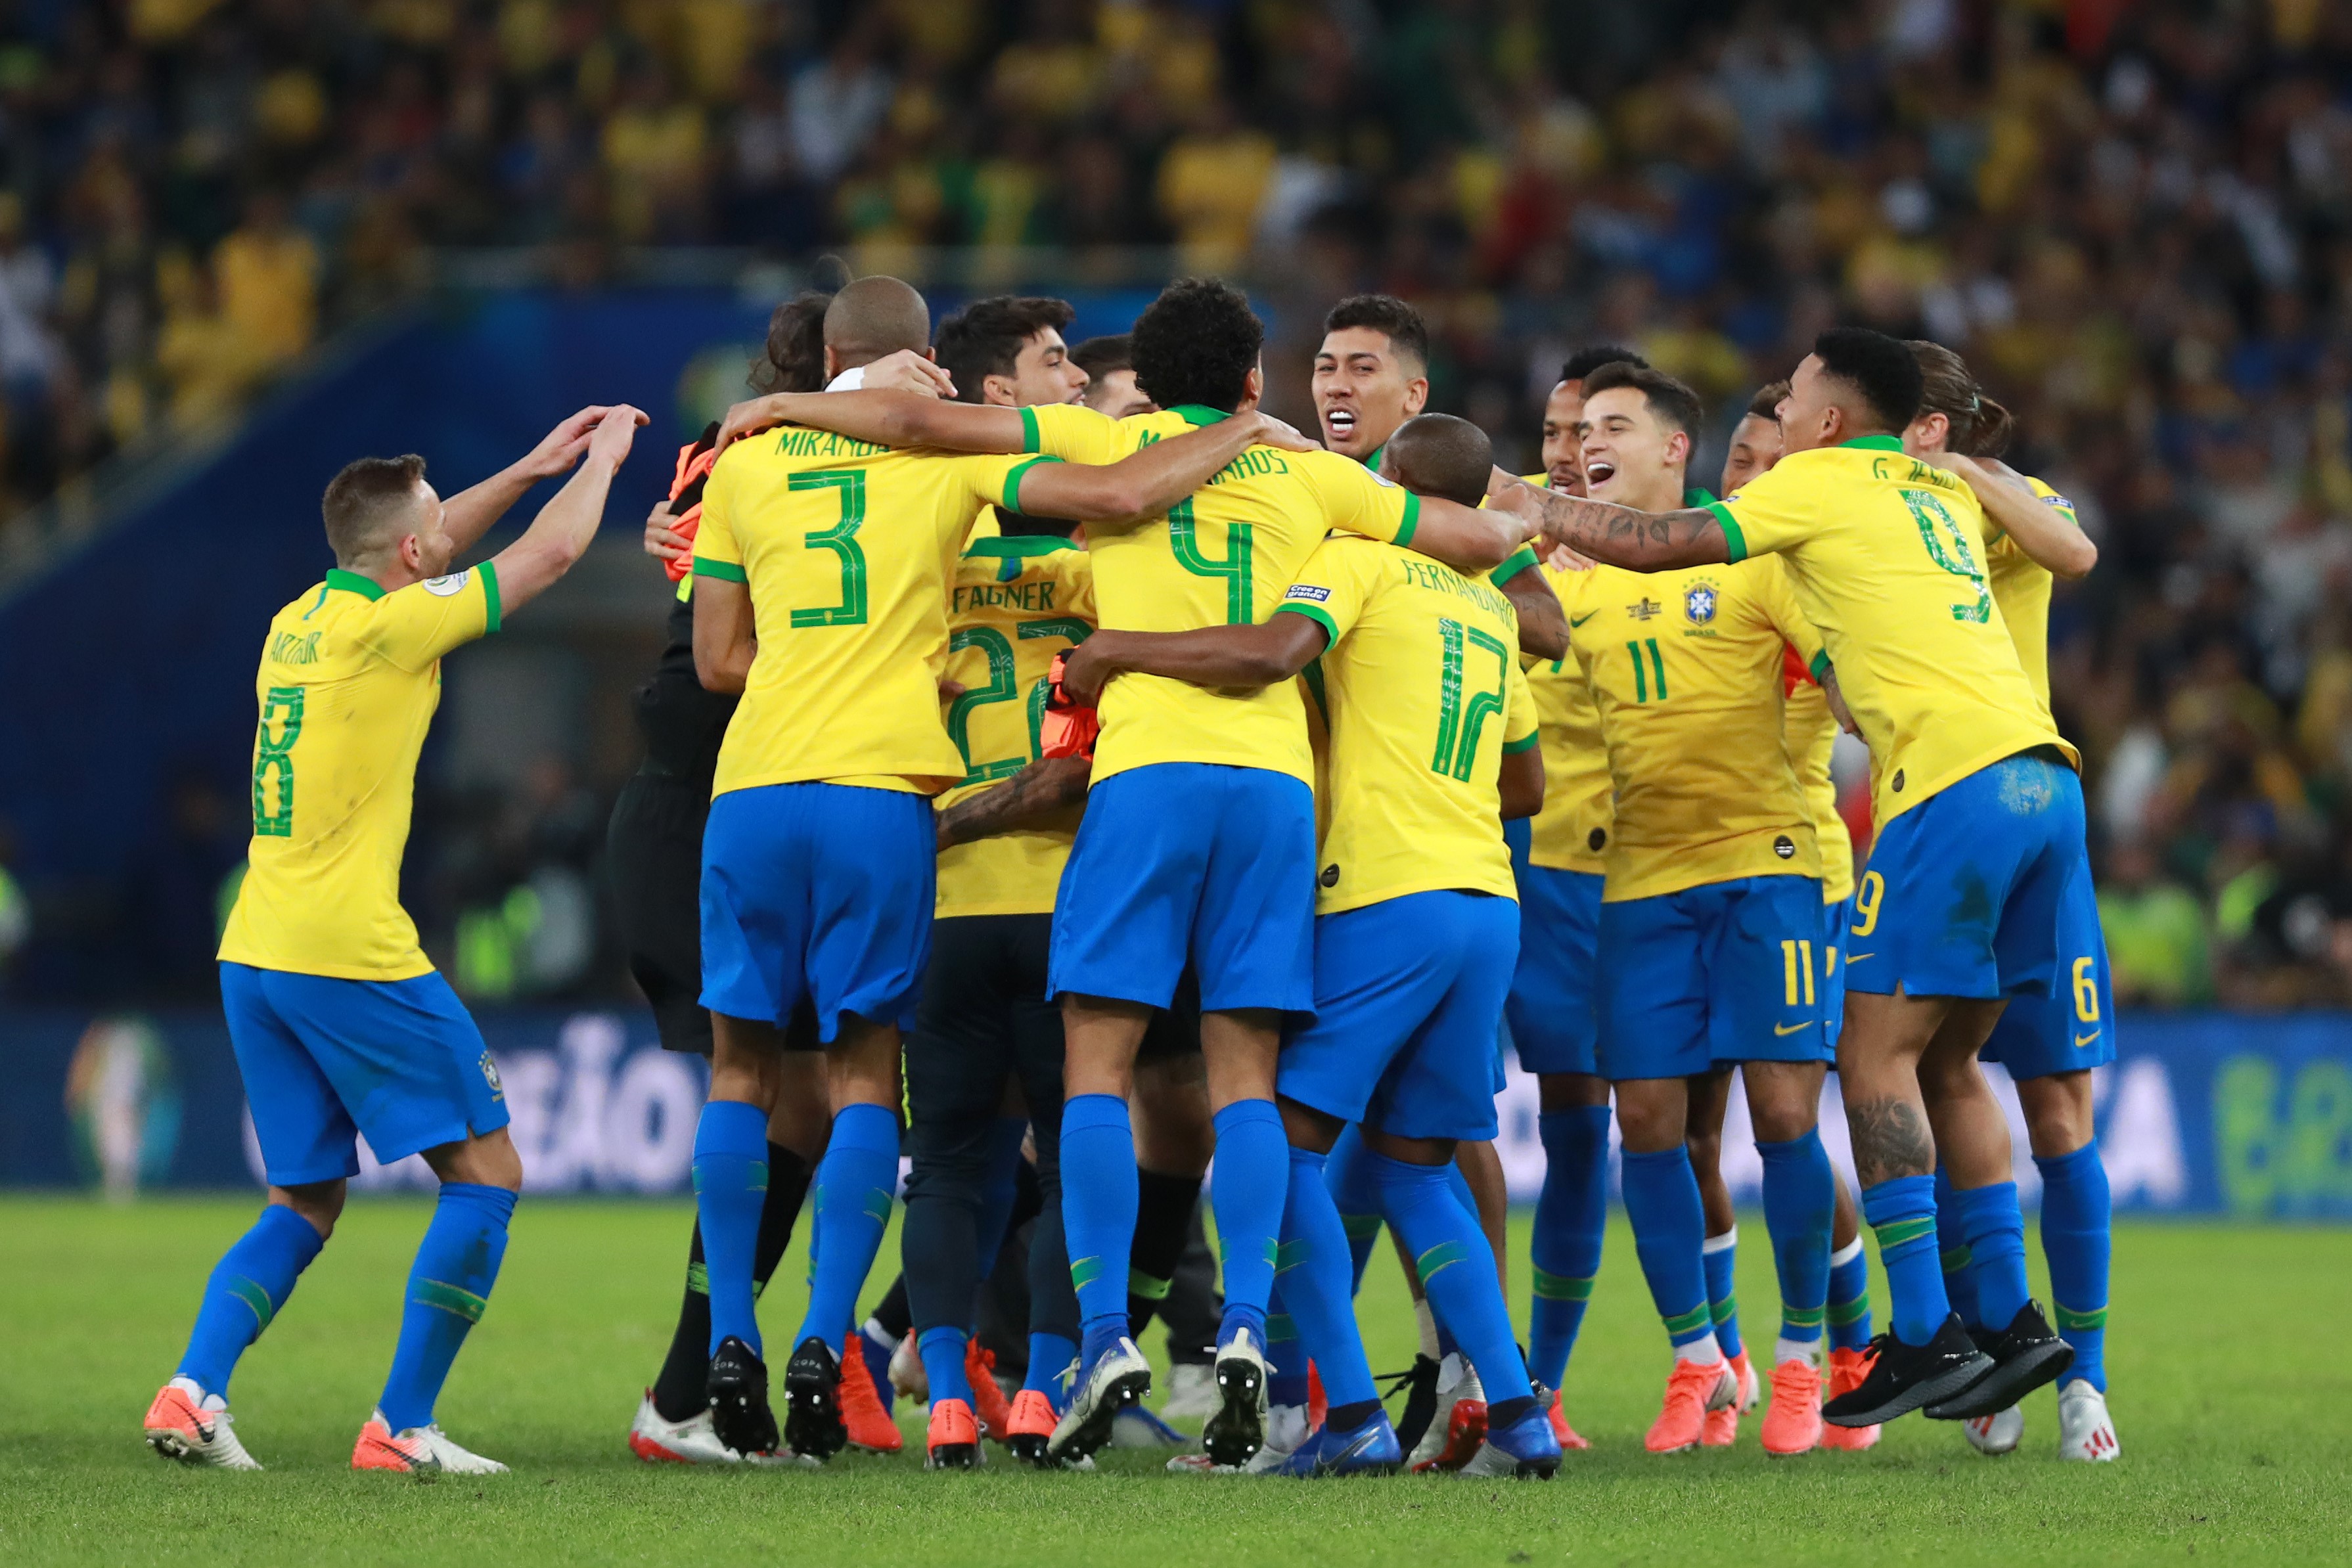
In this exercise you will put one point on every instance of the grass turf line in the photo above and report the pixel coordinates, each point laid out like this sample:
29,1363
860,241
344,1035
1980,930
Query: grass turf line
2235,1447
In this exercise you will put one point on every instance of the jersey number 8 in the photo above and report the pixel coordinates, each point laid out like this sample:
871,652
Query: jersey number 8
273,761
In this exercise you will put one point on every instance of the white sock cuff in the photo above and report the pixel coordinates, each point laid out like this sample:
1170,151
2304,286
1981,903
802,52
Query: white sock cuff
1722,1243
1427,1323
1846,1254
872,1329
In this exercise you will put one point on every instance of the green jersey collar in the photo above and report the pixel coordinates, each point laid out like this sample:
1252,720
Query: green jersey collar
1875,443
352,583
1018,545
1199,413
1697,496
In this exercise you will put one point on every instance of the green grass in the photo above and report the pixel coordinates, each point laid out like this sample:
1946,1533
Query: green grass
2236,1444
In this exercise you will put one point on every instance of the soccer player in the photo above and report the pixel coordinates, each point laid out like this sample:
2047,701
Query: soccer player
2049,1044
341,1026
822,573
1198,841
1415,933
1110,363
1711,909
1977,800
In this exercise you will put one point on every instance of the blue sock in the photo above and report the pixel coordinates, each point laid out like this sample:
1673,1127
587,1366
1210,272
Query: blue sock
1050,1357
1315,1288
1720,1256
1571,1214
1286,1358
1995,1232
942,1352
1669,1229
1457,1274
1849,1308
1952,1253
2076,1239
1004,1184
1800,1206
854,1184
448,1286
251,1282
1902,1213
1358,1198
730,1189
1446,1344
1247,1188
1098,1201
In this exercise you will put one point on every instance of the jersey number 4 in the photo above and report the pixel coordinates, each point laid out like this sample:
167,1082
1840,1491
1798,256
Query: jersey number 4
842,540
273,763
1460,717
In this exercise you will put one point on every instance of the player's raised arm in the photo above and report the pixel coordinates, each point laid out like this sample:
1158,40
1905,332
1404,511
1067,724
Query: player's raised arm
1114,497
1041,791
885,418
2047,536
1274,650
469,514
1620,535
560,535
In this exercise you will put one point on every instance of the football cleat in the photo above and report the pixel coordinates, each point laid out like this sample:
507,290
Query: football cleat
988,1401
1457,1381
186,1424
1319,1404
1289,1429
1466,1428
737,1397
2085,1428
424,1452
2025,1356
1192,1391
1370,1450
865,1417
906,1373
1237,1429
1137,1427
692,1441
1525,1449
1694,1388
1721,1428
1997,1434
878,1359
953,1441
1848,1370
1567,1434
1420,1385
1119,1376
812,1423
1793,1423
1029,1425
1903,1376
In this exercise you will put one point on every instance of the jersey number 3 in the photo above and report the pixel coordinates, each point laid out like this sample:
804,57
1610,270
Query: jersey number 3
842,540
273,763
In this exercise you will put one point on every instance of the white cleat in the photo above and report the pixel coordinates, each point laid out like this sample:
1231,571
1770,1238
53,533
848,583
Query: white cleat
2086,1431
692,1441
1457,1380
1998,1433
1751,1391
1285,1429
186,1424
1120,1377
906,1373
455,1461
1191,1392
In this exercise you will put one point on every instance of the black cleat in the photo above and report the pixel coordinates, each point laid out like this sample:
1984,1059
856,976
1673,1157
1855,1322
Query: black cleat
1906,1376
2025,1356
1235,1429
813,1426
737,1397
1420,1385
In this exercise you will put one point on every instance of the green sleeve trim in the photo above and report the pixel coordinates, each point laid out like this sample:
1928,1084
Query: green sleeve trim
1875,443
1732,538
491,605
1517,561
721,570
1698,496
1533,739
1013,480
1029,441
352,583
1821,668
1200,413
1002,546
1406,529
1314,612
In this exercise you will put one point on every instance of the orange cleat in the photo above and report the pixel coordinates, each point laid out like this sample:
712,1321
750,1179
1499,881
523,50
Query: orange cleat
1568,1437
953,1441
987,1396
1464,1434
1319,1404
1793,1423
183,1424
1848,1368
1031,1424
1692,1390
871,1430
378,1449
1721,1428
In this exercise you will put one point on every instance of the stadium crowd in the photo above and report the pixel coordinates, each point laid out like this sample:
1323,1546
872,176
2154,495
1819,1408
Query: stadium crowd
2138,228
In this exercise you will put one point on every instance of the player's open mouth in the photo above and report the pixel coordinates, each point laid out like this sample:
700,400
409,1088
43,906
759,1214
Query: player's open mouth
1340,422
1599,471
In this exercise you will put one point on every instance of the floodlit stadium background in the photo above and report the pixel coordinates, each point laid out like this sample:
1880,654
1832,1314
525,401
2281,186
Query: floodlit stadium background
242,243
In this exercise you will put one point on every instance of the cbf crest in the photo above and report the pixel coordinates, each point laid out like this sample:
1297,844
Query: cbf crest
1699,601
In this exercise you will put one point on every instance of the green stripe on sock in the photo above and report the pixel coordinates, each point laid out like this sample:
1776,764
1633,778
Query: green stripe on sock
877,1203
2082,1323
1800,1317
1690,1321
1562,1287
1955,1259
1085,1271
1842,1313
1279,1327
697,1279
1724,1311
1289,1254
1148,1288
254,1297
1359,1226
449,1299
1896,1232
1225,1254
1440,1258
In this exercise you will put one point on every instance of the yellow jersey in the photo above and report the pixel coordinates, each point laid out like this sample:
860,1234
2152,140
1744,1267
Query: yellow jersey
1686,668
1808,732
1222,557
1423,686
2021,586
1571,831
1017,600
1882,550
350,677
847,549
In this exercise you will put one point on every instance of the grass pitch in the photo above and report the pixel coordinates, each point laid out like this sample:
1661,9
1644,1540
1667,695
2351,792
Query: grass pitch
2237,1443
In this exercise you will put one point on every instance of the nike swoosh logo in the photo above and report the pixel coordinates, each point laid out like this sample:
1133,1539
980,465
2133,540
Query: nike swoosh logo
1580,620
1793,1028
2084,1040
1854,958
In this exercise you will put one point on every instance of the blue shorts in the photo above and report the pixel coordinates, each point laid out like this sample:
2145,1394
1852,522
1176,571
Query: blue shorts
1834,919
820,893
2074,1029
1407,995
397,1062
1726,972
1962,891
1554,1025
1191,860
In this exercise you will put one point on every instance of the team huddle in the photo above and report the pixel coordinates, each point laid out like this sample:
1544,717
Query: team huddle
1064,773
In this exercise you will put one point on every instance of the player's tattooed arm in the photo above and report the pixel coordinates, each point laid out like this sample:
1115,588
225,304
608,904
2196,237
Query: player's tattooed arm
1238,656
1890,1139
1041,790
1620,535
885,418
1473,541
2040,530
1116,497
1543,624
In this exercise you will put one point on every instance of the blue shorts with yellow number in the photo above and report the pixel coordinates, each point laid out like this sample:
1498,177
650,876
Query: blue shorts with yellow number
820,894
1963,891
2074,1029
1407,995
325,1061
1191,860
1730,971
1554,1024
